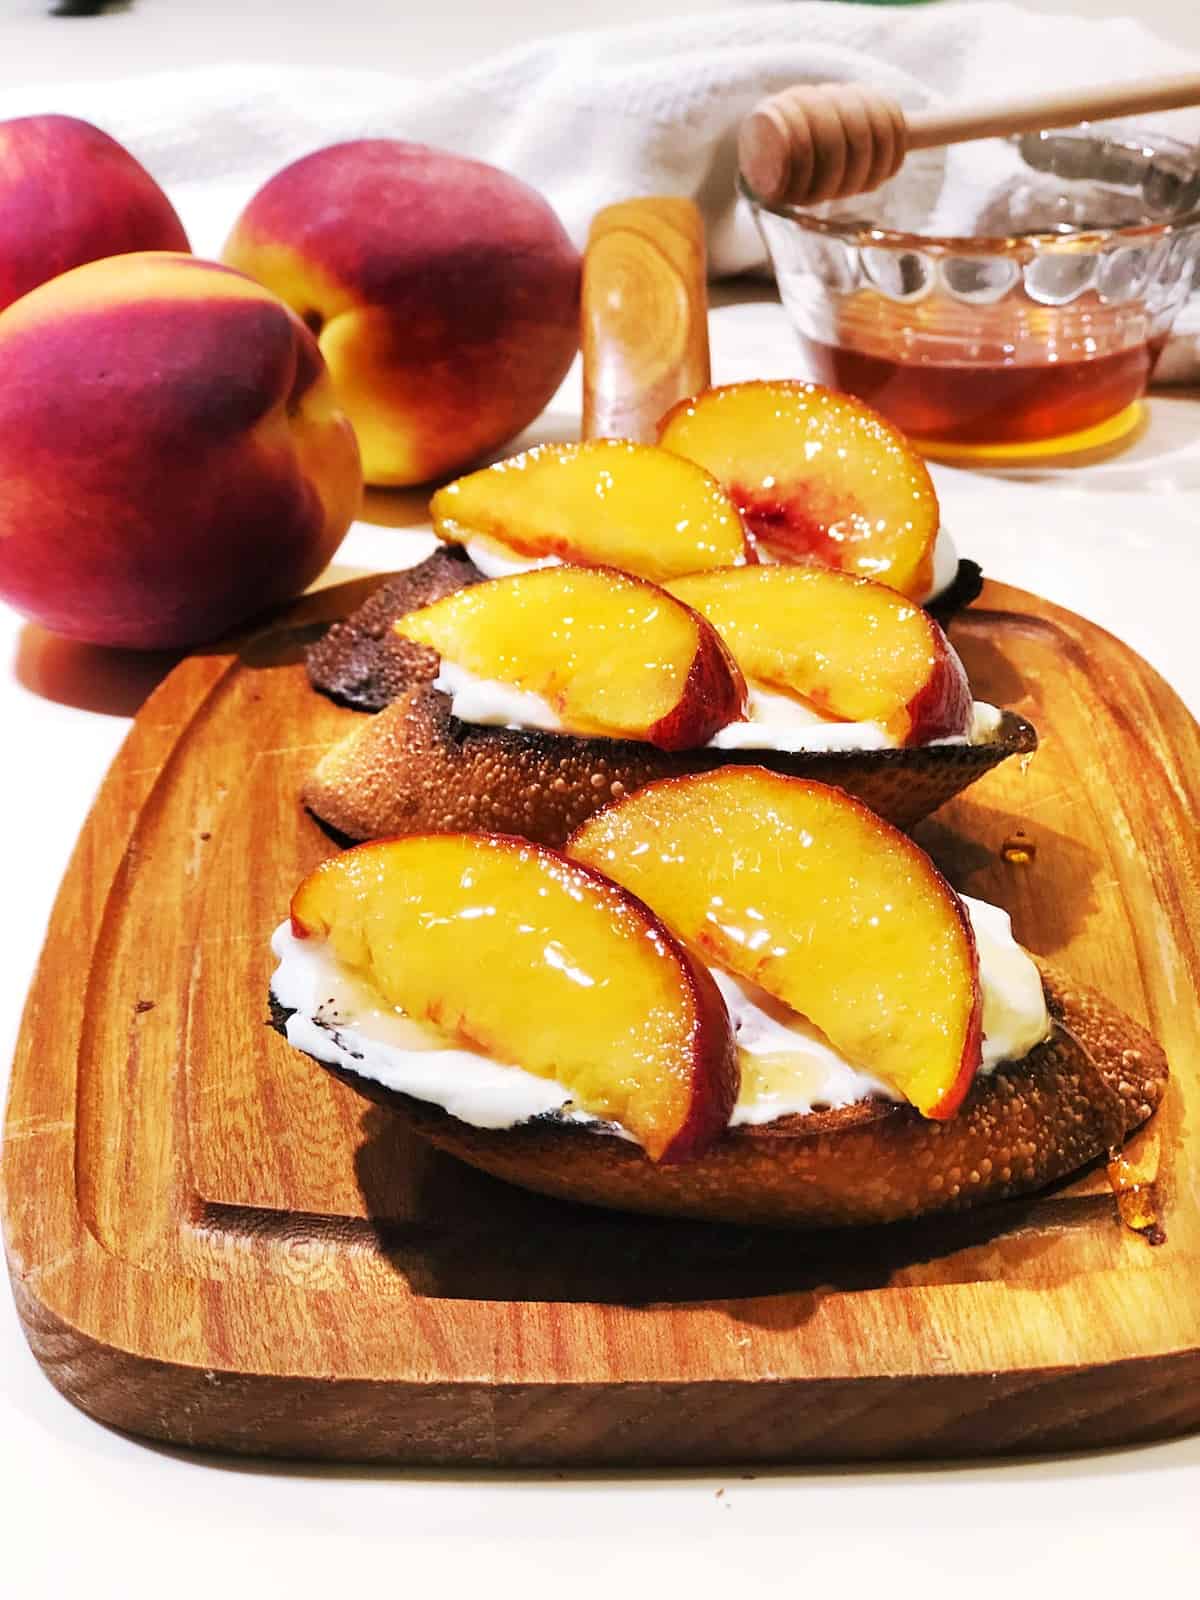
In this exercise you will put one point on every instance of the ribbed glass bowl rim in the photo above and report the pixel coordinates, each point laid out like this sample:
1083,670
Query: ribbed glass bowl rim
1026,244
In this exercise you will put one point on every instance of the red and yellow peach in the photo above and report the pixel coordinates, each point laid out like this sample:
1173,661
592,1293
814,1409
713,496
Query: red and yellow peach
69,194
172,457
445,295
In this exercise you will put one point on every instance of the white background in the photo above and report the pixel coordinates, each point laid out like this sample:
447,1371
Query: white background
82,1507
406,36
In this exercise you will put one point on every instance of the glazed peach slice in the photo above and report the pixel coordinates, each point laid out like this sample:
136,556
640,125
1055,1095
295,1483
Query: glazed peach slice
854,650
537,962
817,476
802,890
605,502
609,653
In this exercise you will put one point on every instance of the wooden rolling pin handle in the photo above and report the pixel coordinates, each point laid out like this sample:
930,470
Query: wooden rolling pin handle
644,319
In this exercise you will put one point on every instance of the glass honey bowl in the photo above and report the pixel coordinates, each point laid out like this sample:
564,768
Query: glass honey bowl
1006,296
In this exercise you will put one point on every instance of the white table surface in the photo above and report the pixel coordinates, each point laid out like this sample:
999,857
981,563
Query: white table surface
82,1506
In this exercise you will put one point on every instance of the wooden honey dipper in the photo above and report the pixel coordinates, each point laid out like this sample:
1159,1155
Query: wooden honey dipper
828,141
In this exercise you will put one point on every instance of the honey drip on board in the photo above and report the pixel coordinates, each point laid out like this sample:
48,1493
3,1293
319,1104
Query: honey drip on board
1135,1198
1019,849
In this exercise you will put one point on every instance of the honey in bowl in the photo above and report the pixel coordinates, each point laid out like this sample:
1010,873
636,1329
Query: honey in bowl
989,400
1038,321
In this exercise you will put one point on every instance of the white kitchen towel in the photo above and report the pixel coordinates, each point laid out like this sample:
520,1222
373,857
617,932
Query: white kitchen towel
592,117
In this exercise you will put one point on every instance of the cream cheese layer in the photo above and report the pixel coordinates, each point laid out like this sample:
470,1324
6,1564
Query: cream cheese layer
788,1067
494,561
775,721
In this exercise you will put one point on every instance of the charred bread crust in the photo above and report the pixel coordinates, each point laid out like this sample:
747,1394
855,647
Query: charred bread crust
1031,1122
415,768
966,587
361,663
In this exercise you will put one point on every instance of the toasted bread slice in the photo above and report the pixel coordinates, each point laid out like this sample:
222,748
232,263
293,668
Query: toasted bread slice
1071,1100
362,663
966,586
415,768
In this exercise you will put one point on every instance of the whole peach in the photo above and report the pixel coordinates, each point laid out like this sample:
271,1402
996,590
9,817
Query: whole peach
172,456
444,292
70,194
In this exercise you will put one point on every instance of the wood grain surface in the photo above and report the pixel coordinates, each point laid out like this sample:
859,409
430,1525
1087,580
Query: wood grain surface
644,321
212,1242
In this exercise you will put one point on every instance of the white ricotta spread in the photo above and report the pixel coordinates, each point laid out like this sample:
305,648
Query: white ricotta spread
778,721
493,704
788,1067
494,561
775,722
985,720
945,565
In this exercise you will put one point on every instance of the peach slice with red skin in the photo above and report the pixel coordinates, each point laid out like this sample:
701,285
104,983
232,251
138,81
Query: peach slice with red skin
603,502
805,892
853,649
612,654
537,962
817,476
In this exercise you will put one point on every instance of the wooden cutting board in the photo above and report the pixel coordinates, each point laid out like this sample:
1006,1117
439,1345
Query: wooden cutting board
213,1243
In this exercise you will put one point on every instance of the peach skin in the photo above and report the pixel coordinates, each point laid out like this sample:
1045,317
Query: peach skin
69,194
444,293
172,456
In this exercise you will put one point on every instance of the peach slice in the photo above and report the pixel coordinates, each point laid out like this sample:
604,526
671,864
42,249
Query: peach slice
537,962
853,649
817,476
605,502
611,653
805,892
